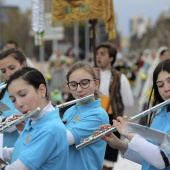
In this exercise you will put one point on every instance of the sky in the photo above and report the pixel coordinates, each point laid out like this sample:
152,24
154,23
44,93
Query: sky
124,10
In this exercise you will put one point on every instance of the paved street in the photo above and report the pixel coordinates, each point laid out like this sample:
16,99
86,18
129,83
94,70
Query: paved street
124,164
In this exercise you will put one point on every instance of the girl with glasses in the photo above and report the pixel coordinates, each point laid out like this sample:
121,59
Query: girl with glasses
84,118
43,142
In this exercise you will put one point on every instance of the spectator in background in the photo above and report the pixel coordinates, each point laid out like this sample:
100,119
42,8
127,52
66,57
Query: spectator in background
141,77
70,57
70,54
57,68
140,62
162,54
120,64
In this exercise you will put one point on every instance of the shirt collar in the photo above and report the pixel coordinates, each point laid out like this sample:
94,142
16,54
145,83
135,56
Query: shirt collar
45,111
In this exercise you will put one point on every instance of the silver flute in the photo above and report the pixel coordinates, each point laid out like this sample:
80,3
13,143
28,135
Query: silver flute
75,101
64,104
3,86
95,137
8,124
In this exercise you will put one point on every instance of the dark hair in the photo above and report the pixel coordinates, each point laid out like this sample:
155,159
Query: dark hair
12,42
163,51
162,66
31,75
17,54
111,50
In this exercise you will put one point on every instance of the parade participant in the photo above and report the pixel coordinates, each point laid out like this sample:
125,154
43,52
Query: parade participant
139,150
13,44
163,53
28,90
10,61
83,118
57,68
115,91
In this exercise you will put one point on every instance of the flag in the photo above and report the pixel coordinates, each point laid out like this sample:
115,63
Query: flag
76,10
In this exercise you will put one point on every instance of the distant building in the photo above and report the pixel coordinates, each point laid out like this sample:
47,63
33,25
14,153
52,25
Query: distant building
139,25
165,14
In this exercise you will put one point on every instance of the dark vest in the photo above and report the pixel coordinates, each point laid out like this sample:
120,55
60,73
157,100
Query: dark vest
117,103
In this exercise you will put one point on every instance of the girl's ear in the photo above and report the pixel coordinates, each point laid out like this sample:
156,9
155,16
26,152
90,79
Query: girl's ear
42,90
97,82
111,59
24,64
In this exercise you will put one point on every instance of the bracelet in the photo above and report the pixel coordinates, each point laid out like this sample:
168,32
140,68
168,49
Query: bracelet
165,158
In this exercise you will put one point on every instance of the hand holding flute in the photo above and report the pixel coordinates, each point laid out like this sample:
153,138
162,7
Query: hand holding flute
19,126
18,119
121,127
95,137
114,141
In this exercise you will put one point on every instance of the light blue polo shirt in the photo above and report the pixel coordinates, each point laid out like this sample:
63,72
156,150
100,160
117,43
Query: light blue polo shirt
9,139
43,145
82,121
160,122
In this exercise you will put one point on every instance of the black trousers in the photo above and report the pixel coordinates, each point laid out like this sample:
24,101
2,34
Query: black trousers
112,154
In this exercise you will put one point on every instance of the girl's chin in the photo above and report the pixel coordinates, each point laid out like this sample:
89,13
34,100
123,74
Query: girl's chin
167,99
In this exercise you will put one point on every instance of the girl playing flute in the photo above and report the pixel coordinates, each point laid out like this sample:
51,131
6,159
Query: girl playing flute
139,150
43,142
83,118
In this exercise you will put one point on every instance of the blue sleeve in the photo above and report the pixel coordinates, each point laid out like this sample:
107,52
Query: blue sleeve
87,125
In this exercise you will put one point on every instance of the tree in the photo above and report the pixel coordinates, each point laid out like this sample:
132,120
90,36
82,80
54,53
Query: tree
18,29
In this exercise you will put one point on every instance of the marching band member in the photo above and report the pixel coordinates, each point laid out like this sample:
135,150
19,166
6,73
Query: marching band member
84,118
139,150
43,142
10,61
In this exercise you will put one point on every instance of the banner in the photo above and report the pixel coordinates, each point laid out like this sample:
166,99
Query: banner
76,10
38,21
68,11
110,19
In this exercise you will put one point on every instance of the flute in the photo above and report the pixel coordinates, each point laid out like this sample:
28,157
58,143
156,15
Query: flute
74,101
95,137
3,86
6,125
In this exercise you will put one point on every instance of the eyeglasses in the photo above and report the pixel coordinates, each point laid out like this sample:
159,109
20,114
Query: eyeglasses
84,83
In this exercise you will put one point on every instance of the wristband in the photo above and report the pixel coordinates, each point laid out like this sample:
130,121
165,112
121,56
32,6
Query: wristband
165,158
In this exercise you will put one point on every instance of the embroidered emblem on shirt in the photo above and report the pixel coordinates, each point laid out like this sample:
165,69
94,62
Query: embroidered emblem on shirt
77,118
28,138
